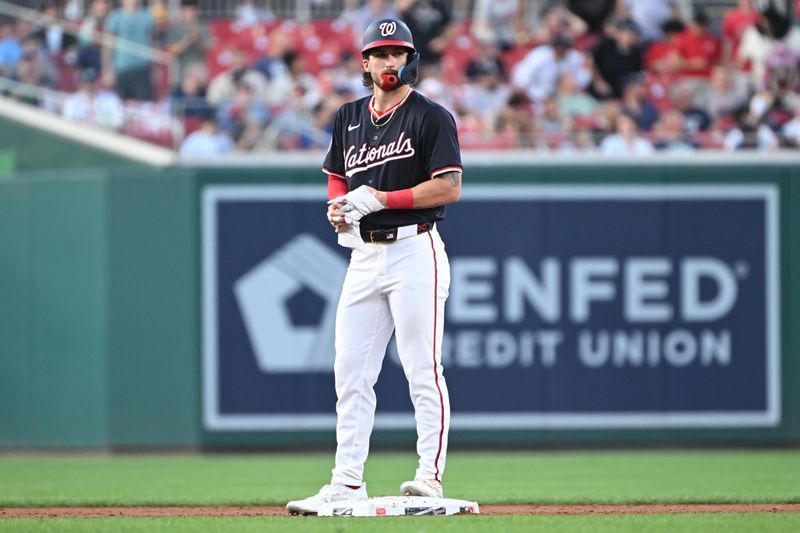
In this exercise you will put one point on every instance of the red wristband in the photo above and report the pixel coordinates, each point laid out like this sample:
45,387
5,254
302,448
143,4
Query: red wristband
402,199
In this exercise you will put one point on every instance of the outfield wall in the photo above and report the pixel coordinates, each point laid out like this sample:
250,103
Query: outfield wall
143,308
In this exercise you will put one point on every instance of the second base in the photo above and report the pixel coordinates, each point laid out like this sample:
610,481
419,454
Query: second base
400,506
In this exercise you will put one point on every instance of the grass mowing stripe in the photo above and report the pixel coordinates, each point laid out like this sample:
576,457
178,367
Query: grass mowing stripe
727,523
518,477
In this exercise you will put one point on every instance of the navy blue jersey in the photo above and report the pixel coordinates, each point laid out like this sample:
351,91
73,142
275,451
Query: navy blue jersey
404,146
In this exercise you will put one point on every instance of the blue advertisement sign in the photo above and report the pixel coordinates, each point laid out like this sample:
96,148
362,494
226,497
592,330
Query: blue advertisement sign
602,306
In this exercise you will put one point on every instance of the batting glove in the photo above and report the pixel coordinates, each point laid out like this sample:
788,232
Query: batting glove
357,204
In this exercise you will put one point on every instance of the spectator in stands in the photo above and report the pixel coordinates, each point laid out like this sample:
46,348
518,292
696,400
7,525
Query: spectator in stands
670,134
10,47
556,20
319,134
517,118
34,49
783,70
663,57
159,12
127,71
187,40
431,25
38,65
580,141
497,22
271,63
572,101
431,84
207,141
662,64
618,55
243,116
51,32
486,59
487,92
537,73
358,18
298,88
698,48
348,76
552,128
791,130
94,105
89,51
626,141
774,102
635,104
593,12
750,133
73,10
248,14
189,99
650,15
734,22
686,99
224,85
725,94
30,75
758,41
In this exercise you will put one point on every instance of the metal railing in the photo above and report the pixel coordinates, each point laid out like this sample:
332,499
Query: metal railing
98,37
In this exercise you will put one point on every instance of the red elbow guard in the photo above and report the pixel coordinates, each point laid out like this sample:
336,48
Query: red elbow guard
336,187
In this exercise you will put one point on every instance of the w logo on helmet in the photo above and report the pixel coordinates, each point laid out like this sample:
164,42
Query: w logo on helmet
387,32
388,28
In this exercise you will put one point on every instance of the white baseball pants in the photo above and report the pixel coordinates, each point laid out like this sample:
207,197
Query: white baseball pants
400,286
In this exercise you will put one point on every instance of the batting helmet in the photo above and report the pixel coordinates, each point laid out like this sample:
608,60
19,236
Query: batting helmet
387,32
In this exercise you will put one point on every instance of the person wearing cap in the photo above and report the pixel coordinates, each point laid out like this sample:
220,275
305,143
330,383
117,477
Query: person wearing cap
393,164
618,55
94,105
537,73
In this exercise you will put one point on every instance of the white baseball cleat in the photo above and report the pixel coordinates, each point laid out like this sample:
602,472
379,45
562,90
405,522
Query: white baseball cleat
327,494
422,487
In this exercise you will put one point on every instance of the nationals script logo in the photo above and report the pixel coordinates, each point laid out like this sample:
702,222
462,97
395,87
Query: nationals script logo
360,159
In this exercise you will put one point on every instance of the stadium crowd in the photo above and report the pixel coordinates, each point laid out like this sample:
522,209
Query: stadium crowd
624,77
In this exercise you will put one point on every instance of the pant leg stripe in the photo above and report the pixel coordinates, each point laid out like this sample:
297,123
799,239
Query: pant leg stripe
435,373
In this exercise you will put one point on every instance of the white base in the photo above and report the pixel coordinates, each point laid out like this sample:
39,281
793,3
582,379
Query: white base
399,506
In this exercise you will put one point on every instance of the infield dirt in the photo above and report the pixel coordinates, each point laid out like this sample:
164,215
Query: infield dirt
543,510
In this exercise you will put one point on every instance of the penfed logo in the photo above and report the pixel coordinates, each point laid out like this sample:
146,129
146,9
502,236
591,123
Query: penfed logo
487,290
605,311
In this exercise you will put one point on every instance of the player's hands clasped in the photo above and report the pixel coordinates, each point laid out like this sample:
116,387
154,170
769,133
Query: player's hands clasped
355,205
336,216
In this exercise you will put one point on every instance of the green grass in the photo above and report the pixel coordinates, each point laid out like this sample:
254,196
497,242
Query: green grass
727,523
520,477
541,477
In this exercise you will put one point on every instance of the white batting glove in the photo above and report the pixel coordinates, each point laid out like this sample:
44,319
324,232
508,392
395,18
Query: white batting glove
357,204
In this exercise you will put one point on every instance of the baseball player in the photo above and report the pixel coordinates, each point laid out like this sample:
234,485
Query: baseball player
393,163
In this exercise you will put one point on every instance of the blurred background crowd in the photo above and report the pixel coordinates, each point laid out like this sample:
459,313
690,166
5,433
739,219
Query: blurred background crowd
616,77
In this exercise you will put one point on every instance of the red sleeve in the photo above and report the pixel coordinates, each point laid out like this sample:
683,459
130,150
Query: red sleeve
336,187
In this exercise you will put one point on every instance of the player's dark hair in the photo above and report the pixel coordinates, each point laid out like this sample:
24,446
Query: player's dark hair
366,80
